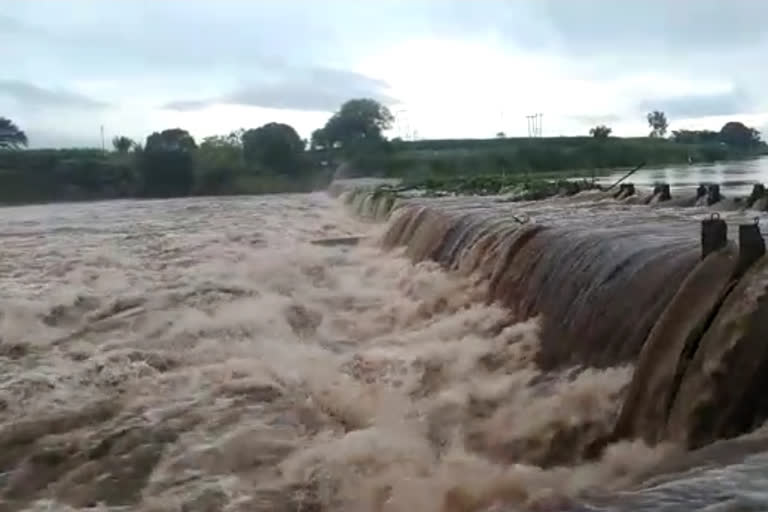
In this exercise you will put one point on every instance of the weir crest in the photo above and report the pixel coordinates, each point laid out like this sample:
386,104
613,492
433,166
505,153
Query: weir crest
615,279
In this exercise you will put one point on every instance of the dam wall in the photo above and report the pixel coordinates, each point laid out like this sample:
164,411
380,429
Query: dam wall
616,280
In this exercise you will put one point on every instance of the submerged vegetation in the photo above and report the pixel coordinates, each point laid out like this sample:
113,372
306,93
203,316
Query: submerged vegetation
515,187
273,158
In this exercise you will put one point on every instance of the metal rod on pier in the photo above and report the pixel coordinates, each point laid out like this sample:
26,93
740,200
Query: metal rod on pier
630,173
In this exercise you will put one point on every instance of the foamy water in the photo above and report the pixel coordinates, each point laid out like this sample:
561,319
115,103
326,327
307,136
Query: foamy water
203,355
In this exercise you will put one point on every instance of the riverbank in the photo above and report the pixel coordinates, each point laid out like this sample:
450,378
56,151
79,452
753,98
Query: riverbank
43,176
35,176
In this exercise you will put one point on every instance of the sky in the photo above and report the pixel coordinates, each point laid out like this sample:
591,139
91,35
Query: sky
446,68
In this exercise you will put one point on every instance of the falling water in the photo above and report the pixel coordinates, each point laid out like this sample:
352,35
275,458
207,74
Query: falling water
615,281
203,354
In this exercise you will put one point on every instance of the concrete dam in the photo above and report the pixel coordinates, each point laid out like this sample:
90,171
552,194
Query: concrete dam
675,287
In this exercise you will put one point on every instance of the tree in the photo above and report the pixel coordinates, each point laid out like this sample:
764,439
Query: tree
174,139
695,136
11,137
600,131
738,135
275,146
122,144
500,135
219,161
167,163
657,120
232,140
358,119
319,140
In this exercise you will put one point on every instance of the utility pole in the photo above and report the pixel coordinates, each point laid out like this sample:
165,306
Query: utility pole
403,121
534,124
103,148
399,122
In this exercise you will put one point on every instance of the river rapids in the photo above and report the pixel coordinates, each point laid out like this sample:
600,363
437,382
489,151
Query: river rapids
204,355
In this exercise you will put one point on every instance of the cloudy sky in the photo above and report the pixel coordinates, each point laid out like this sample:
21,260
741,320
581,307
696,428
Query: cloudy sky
446,68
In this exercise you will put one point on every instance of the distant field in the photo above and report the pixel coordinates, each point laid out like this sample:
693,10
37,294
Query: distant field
451,157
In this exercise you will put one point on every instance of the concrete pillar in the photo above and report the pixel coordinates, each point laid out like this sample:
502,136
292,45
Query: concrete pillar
701,191
713,194
758,192
751,246
714,234
661,192
625,190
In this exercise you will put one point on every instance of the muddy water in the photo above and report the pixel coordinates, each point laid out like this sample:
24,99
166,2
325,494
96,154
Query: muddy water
203,355
599,271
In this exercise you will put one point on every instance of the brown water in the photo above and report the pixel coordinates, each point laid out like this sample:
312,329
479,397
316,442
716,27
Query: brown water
622,281
201,354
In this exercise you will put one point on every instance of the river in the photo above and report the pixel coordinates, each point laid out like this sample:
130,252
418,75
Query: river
735,177
202,355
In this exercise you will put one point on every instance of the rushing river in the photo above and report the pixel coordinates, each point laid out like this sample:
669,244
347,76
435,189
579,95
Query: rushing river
203,355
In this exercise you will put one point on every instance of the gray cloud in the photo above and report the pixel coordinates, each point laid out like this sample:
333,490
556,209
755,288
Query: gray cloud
190,105
277,53
33,96
9,24
317,89
162,33
12,26
608,26
734,102
129,37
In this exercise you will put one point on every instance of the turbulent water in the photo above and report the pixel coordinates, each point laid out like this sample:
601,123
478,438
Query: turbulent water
204,355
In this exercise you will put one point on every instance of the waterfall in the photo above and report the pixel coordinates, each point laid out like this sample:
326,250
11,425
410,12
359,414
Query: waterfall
612,283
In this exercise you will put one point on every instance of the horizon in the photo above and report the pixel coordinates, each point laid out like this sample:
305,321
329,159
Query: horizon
446,70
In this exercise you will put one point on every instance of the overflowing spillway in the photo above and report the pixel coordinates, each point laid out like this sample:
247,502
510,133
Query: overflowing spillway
614,282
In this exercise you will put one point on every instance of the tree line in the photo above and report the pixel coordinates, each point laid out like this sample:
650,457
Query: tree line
273,158
270,158
733,133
